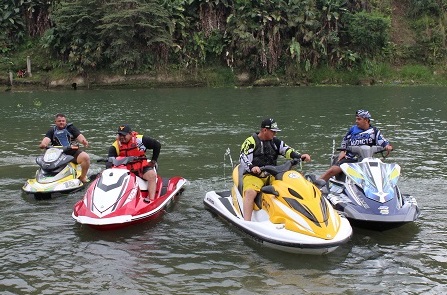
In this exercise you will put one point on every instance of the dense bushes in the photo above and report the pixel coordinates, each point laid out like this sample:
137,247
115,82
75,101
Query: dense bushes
261,37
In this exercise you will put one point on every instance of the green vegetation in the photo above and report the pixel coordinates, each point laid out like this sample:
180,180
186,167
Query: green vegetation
224,42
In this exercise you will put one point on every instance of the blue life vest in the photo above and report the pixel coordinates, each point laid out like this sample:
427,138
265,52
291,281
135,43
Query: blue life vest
62,136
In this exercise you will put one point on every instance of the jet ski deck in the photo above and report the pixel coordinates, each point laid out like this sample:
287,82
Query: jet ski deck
273,235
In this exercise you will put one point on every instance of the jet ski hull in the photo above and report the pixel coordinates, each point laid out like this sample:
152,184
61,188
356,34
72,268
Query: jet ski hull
115,200
271,235
367,192
57,175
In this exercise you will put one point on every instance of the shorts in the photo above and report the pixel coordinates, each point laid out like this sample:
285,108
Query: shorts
74,153
345,160
141,171
254,182
147,168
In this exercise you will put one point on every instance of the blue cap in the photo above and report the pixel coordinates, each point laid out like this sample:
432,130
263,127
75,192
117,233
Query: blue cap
363,114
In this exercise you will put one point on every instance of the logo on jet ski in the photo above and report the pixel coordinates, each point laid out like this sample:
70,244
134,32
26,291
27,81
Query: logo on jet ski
384,210
294,175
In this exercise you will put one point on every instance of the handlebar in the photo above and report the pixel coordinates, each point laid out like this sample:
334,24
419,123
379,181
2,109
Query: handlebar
274,170
118,161
364,151
64,148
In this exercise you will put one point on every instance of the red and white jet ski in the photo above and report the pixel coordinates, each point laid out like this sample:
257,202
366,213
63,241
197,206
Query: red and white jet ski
115,198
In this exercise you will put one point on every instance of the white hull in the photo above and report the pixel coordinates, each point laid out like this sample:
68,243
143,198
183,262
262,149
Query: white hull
275,235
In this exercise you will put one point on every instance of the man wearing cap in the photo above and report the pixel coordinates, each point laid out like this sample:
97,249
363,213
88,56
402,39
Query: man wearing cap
130,143
260,149
63,134
362,133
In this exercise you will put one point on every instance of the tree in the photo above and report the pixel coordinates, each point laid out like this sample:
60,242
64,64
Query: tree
368,32
12,27
75,36
131,31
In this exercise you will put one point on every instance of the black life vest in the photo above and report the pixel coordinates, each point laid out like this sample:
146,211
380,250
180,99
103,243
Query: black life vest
265,152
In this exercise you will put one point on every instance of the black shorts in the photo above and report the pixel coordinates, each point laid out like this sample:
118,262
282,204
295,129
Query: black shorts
74,153
147,168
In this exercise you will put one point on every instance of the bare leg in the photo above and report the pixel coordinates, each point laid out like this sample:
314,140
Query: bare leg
249,198
151,177
332,171
84,160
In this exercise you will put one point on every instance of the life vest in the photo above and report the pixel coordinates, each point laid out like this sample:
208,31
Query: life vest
265,152
62,137
360,137
133,148
364,137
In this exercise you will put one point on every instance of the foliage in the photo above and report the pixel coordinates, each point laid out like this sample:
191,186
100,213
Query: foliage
430,7
12,26
131,31
36,15
75,36
368,32
376,70
22,18
330,75
415,72
298,38
120,35
430,27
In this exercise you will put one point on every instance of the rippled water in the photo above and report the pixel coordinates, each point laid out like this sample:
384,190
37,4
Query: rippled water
191,251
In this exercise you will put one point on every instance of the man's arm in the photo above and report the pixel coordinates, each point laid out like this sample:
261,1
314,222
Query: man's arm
81,139
154,145
246,155
112,152
45,142
77,134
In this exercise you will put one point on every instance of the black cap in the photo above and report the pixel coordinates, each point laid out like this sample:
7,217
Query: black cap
124,129
271,124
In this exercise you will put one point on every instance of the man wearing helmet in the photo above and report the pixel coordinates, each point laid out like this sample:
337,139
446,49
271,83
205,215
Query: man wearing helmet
362,133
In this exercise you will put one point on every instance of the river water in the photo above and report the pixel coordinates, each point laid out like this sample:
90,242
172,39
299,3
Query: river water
190,251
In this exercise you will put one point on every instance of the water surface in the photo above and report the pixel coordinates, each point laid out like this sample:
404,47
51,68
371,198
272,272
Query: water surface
190,251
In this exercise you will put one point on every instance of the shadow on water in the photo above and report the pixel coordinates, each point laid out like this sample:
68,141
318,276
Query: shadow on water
48,198
392,237
287,260
88,234
284,259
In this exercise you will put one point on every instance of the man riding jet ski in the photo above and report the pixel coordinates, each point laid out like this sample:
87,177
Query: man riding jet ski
363,187
290,213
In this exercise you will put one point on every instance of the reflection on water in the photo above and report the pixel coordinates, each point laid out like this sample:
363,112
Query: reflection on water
191,251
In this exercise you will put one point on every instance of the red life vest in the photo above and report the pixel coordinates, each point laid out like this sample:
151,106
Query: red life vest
133,148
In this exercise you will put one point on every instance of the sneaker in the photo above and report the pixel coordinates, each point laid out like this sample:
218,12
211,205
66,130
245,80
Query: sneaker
147,200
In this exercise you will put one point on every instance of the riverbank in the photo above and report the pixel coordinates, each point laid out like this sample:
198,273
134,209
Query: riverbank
225,77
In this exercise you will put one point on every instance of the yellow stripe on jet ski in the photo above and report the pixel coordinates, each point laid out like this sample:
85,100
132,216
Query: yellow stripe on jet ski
354,173
395,173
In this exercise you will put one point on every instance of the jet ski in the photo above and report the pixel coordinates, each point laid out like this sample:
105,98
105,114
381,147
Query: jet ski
290,214
56,174
115,198
367,192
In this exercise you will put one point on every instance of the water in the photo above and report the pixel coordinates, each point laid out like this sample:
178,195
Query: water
190,251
